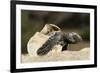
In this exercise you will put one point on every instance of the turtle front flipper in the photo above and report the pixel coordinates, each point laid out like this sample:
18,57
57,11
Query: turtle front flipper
47,46
65,47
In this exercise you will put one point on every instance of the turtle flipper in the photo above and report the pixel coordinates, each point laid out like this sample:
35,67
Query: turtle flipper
65,47
47,46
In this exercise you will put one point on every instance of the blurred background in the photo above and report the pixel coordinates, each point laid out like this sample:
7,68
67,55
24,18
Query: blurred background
34,21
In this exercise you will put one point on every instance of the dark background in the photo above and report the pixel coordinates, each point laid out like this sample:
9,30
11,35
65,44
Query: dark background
34,21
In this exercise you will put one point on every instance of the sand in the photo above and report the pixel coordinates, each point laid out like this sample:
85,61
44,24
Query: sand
83,54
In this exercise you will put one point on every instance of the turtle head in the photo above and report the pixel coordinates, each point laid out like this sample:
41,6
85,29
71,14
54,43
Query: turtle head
73,38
